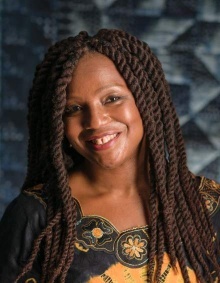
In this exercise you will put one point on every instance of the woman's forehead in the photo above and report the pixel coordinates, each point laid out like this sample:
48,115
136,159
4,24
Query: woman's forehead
95,71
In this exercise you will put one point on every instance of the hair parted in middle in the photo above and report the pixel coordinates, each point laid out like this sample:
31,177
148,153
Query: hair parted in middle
179,221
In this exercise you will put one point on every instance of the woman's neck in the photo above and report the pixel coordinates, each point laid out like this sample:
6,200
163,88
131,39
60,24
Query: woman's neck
127,179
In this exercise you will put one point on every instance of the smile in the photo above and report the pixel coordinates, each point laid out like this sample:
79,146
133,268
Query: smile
103,140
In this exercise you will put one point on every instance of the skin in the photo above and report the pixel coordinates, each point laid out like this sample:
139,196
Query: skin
103,124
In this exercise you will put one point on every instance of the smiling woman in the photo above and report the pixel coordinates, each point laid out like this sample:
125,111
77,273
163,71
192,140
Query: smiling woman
102,121
108,196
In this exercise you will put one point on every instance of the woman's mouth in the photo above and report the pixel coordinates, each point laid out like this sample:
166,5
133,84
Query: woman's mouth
104,142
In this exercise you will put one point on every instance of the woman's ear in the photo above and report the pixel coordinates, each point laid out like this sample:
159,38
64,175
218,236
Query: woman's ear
71,156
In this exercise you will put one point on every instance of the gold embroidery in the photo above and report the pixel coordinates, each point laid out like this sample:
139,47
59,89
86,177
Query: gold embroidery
210,192
97,232
31,280
134,247
131,247
81,248
36,192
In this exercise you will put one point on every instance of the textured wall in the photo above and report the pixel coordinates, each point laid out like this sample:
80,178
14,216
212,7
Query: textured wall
185,34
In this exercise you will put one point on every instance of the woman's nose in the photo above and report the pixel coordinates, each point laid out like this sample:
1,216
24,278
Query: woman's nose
95,117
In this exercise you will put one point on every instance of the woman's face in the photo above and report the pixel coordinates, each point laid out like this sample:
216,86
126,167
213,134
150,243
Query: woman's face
102,121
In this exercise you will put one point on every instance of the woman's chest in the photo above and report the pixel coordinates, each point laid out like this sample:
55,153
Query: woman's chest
103,254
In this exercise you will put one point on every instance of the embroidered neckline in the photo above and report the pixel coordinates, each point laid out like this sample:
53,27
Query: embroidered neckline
106,220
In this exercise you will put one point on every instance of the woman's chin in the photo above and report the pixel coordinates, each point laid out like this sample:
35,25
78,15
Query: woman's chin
105,163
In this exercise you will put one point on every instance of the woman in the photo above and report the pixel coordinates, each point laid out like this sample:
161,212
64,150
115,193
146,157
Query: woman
108,196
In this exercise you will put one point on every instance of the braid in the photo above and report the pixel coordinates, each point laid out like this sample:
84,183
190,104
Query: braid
179,221
157,149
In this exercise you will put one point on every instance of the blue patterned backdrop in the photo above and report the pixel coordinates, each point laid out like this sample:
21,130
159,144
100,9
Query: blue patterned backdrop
185,34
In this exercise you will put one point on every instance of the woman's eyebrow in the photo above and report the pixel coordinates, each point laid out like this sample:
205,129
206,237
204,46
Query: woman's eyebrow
108,86
71,96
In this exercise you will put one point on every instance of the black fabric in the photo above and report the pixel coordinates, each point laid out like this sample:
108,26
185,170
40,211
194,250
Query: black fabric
25,218
21,223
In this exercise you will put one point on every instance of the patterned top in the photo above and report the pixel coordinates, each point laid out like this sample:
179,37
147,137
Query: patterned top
119,256
105,255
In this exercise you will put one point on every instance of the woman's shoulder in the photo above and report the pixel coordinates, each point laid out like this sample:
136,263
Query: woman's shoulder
36,194
22,222
29,206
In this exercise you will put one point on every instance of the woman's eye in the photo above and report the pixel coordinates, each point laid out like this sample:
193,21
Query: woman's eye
72,109
112,99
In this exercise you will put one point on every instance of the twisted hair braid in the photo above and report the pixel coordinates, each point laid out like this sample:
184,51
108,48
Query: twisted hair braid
188,232
157,148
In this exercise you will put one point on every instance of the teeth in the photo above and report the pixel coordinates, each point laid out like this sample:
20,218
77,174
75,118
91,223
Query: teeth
104,139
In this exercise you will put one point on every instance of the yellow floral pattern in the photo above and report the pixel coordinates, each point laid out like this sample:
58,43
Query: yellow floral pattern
134,247
122,257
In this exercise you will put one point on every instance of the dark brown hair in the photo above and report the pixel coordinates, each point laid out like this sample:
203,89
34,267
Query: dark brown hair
179,220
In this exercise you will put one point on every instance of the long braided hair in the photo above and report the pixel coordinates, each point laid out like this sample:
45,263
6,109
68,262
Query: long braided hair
179,220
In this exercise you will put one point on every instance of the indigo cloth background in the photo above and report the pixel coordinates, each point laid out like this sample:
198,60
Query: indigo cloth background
185,34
